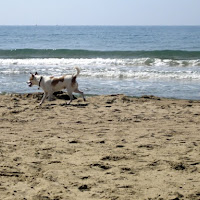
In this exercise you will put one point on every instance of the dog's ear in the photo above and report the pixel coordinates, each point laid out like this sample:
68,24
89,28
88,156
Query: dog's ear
32,75
36,73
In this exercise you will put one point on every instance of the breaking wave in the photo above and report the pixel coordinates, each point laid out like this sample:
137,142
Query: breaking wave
99,62
108,64
78,53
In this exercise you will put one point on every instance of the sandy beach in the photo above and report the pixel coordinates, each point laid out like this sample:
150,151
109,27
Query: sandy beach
109,147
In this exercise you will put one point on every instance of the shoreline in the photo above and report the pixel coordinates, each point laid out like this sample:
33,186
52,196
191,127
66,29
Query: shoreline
109,147
148,96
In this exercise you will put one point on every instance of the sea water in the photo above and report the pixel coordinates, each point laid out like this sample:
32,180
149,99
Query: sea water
132,60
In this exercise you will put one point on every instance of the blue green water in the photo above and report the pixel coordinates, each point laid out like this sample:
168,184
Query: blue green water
133,60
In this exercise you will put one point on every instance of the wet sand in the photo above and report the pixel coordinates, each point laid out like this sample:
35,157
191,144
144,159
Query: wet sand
109,147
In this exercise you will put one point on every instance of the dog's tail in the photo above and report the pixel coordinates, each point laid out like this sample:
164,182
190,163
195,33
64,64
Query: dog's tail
75,75
77,72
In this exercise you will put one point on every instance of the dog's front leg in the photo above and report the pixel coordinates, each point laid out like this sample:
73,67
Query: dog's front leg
43,98
50,96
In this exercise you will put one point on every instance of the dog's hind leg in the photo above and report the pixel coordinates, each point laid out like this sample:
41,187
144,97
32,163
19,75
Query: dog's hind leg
70,96
80,92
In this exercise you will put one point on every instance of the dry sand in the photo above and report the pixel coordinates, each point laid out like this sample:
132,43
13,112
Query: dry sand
109,147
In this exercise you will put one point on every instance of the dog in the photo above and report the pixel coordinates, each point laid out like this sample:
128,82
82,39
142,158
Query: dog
54,84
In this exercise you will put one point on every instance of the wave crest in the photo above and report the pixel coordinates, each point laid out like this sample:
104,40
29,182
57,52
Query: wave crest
78,53
98,62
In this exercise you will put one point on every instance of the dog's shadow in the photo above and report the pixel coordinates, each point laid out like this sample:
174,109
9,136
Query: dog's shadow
80,105
65,96
62,95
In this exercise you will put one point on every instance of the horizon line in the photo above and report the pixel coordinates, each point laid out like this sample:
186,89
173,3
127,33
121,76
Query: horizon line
90,25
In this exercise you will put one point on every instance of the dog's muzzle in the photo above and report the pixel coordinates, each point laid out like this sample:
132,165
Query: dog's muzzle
29,83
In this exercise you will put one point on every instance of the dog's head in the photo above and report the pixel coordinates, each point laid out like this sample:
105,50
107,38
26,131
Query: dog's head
32,80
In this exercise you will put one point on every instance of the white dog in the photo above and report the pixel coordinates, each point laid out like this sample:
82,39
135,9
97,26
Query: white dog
53,84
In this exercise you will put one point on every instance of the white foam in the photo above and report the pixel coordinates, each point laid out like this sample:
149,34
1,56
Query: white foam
141,68
98,62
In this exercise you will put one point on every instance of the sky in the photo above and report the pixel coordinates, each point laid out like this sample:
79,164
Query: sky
100,12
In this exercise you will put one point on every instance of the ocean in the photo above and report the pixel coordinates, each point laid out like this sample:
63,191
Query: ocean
133,60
